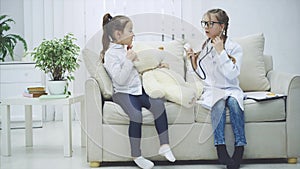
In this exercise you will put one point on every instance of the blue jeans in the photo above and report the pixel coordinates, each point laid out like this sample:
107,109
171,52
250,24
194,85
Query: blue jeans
218,118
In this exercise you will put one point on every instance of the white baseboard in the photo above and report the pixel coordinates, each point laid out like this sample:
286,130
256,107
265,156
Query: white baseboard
21,124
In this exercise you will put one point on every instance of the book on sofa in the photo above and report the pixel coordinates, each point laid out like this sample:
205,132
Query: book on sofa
262,96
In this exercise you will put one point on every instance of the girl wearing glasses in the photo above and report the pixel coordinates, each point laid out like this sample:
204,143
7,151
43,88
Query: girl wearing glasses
218,65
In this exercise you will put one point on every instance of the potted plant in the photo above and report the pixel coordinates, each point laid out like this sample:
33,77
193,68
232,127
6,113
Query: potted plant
8,41
59,58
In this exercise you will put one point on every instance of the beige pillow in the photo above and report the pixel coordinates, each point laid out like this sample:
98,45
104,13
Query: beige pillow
253,72
96,70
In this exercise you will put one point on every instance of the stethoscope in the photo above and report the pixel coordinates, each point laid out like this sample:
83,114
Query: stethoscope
199,62
207,52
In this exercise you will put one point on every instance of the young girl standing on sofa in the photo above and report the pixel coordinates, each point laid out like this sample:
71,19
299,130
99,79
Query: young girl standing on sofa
128,91
218,65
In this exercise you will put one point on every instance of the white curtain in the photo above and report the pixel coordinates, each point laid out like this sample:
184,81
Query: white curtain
38,19
47,19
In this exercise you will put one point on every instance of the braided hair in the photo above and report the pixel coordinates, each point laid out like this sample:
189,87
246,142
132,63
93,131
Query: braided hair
222,17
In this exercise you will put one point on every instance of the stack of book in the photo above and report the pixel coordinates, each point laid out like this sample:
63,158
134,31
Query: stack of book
34,92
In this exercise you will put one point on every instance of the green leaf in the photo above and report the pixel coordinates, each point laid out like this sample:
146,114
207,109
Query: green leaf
58,56
8,41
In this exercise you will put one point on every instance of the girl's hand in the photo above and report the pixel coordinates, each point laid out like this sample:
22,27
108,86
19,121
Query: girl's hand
163,65
218,44
129,47
193,56
190,53
131,55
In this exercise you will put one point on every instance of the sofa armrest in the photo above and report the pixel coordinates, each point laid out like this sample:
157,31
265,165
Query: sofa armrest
93,102
289,84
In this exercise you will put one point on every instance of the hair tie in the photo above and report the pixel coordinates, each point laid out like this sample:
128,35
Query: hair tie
109,18
106,19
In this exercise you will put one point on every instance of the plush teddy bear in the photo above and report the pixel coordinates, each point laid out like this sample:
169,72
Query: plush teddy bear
161,82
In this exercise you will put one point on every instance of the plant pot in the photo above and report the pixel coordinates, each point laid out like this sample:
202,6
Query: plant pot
57,87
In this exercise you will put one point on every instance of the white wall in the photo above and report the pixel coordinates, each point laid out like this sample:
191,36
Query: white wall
279,21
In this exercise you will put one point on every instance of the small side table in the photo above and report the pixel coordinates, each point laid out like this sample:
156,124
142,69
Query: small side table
28,103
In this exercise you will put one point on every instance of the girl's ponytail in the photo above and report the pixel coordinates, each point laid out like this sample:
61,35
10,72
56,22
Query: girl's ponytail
110,25
106,35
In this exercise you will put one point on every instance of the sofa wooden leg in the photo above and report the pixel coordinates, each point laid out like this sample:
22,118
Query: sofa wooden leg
292,160
94,164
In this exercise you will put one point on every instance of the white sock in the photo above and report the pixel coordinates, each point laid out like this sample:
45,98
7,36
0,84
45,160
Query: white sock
165,151
143,163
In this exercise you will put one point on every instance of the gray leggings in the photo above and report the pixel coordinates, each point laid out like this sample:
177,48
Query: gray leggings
132,105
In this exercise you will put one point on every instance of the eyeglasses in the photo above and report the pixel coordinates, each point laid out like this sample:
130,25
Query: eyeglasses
209,24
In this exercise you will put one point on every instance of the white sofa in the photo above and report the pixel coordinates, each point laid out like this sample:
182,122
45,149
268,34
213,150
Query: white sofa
272,127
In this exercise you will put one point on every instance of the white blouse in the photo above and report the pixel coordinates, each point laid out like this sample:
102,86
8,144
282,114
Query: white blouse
221,74
125,78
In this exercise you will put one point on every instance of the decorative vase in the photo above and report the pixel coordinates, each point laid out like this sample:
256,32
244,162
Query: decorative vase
57,87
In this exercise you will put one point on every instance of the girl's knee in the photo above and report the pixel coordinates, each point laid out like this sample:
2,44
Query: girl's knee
232,101
157,104
233,105
136,116
220,105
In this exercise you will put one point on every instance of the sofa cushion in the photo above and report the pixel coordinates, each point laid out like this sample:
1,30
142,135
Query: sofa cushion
263,111
253,72
96,70
114,114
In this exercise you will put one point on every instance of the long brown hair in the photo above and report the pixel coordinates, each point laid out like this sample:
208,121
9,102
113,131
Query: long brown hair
110,25
222,17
